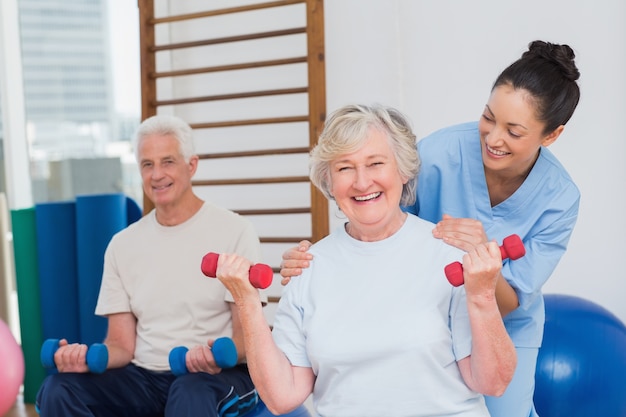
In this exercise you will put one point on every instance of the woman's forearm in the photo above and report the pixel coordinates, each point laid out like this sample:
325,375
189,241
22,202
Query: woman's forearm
281,386
493,359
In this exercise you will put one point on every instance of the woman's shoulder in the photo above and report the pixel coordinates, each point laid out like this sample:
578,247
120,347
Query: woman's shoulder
421,236
416,222
329,242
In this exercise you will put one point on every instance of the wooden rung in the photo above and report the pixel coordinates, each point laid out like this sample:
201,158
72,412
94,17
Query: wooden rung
271,120
233,96
228,39
263,212
264,152
284,239
246,181
231,67
309,27
218,12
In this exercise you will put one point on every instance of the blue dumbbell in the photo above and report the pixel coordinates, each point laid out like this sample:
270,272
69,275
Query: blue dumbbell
224,352
97,356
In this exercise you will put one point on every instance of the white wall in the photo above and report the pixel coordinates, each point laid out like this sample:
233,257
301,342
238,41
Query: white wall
436,60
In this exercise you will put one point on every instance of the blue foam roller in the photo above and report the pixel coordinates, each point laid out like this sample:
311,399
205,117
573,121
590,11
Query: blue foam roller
133,211
58,282
98,218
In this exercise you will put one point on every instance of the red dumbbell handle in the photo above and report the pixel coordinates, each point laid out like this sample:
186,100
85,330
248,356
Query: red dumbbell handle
512,247
261,275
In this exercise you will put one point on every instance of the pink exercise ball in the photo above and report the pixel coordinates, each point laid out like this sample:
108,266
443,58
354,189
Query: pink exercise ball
11,368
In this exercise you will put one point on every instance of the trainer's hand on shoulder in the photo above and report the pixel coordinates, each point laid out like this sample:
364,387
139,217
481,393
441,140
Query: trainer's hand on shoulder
462,233
294,260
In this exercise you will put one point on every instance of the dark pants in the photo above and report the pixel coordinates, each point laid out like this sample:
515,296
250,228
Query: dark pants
136,392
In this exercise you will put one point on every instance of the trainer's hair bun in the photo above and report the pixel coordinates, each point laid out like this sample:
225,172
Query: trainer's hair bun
561,55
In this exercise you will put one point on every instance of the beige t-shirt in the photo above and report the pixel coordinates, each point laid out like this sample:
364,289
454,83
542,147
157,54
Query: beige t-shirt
153,271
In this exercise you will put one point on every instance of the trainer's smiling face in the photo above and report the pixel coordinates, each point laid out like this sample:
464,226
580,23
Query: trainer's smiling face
510,133
367,187
165,174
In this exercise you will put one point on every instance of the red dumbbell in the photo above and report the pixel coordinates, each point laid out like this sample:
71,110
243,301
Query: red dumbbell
512,247
261,275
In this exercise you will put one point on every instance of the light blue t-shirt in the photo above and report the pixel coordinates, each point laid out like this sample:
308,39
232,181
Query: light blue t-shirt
380,326
543,212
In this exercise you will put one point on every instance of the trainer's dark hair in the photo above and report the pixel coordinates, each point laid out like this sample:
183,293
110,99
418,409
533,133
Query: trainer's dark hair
548,72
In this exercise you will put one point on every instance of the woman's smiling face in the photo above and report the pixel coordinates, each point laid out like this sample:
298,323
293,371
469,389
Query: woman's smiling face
367,187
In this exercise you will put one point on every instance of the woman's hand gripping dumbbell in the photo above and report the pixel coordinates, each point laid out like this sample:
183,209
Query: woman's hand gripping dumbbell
512,247
224,353
97,357
261,275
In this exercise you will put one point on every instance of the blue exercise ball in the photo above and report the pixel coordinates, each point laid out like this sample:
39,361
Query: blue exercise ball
581,367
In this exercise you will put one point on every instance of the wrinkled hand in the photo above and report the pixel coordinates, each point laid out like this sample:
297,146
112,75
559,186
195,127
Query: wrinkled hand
234,272
71,357
294,260
464,234
200,359
481,270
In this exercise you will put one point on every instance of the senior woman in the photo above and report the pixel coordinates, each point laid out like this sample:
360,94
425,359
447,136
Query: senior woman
373,327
